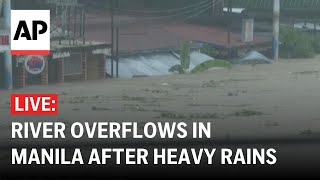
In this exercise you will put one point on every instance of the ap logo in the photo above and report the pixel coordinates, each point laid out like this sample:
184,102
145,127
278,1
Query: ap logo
30,32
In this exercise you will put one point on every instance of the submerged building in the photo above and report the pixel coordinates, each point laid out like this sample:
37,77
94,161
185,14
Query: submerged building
71,58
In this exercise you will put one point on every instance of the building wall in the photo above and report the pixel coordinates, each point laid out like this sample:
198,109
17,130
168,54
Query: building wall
5,28
60,70
95,66
1,71
19,74
84,67
44,77
92,67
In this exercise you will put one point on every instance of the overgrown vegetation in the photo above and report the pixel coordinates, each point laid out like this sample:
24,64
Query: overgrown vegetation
185,62
297,44
211,64
208,50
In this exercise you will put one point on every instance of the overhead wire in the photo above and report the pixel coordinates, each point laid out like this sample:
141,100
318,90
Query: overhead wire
162,11
188,14
206,7
197,14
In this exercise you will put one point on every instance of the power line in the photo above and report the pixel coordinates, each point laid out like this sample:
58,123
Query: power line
202,9
163,11
188,14
178,14
197,14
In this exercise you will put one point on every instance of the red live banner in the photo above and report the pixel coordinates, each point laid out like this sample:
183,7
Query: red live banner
34,104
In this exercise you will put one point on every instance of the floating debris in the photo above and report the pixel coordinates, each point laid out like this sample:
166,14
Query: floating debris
94,108
248,113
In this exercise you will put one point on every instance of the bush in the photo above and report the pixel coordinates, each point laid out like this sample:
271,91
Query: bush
297,44
211,64
316,43
208,50
185,62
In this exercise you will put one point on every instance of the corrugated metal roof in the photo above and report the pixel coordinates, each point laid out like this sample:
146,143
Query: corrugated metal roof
285,4
156,64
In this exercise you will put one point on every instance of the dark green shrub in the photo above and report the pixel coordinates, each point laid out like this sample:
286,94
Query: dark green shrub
211,64
208,50
297,44
185,62
316,43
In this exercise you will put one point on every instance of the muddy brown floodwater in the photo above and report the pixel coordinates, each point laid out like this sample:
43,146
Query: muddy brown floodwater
247,103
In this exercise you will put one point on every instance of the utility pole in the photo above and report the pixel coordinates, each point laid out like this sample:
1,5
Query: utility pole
117,52
229,27
7,55
213,8
315,26
276,22
229,20
112,36
117,46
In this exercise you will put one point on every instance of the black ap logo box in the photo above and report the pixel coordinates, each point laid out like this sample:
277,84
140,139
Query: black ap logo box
30,32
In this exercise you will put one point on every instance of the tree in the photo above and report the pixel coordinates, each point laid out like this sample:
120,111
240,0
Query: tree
185,62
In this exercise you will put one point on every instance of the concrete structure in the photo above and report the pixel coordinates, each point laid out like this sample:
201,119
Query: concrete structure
276,28
72,58
6,59
247,30
66,63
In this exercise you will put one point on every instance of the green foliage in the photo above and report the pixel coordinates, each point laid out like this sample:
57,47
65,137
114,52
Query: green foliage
211,64
208,50
185,55
316,43
177,68
297,44
185,62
